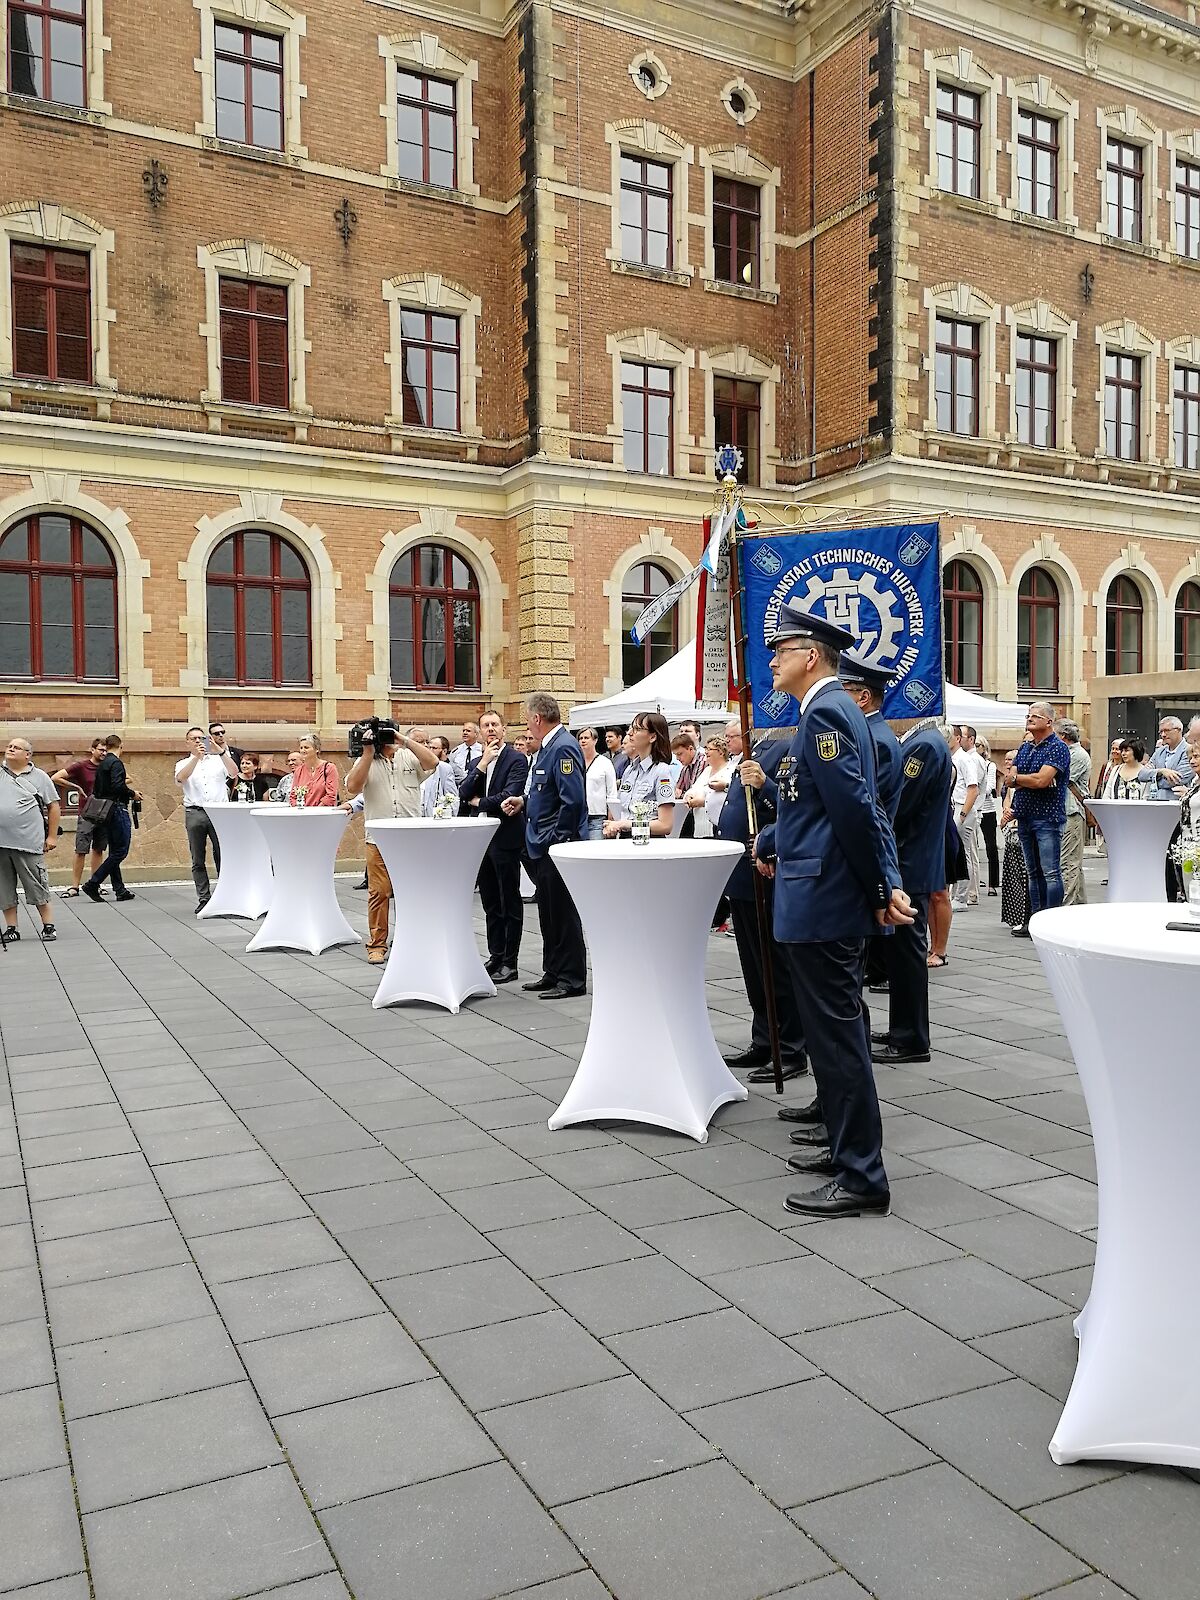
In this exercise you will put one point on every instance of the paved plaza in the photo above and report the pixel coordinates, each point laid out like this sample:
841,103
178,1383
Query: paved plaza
332,1312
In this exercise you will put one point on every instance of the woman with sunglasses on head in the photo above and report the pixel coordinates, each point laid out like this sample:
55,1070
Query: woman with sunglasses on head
646,780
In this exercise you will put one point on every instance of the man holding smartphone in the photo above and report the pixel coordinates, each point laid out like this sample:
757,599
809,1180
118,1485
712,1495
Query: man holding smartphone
203,775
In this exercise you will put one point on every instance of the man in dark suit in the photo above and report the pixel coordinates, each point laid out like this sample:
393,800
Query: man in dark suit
733,824
866,686
927,774
498,774
835,882
555,806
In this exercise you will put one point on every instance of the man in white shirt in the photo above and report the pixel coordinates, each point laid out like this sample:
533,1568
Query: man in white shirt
389,780
969,776
469,750
203,775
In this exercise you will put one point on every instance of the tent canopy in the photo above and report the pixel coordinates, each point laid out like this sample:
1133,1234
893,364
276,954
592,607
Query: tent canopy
963,705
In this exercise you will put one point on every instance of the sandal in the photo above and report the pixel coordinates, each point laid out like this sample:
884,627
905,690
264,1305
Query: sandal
69,894
935,961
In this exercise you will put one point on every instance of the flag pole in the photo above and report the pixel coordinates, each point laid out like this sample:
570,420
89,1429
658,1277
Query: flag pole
731,495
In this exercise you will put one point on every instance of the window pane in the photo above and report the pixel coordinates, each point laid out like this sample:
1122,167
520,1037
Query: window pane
431,566
58,628
14,546
221,559
433,642
441,131
290,564
94,550
400,615
14,626
267,132
266,47
461,575
231,120
445,409
54,540
441,168
256,554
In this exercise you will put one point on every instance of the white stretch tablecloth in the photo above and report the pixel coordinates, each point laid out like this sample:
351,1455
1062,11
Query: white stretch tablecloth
304,913
244,883
650,1054
1136,833
1135,1396
433,866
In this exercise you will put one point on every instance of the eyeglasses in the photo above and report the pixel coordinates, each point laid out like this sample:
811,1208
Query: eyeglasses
217,733
795,650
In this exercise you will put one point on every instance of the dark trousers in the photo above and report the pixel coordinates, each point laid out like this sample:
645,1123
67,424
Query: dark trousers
988,823
118,831
876,967
564,957
827,983
199,831
908,979
500,892
791,1034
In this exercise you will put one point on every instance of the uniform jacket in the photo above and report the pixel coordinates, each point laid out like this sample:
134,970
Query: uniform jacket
556,804
887,764
732,823
835,856
926,775
509,771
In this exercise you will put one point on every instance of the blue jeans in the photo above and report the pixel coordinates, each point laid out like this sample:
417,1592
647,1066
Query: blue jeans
1041,845
119,829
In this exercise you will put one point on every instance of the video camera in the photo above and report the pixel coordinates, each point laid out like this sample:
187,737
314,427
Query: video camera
373,731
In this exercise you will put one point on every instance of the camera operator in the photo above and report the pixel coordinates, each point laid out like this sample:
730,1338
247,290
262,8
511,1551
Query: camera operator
388,775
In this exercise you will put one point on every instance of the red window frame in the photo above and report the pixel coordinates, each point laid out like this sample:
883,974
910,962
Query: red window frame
239,580
259,322
52,291
1124,602
1187,628
737,219
1037,359
644,582
1036,594
737,412
956,374
1123,406
430,111
47,16
248,62
1187,209
959,138
1124,167
78,570
1186,417
638,389
410,589
1037,147
420,337
648,180
962,592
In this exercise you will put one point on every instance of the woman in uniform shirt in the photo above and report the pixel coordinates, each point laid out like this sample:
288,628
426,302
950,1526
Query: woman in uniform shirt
646,780
600,781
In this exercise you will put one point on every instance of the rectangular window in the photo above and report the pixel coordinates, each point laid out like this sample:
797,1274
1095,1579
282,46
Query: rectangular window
736,409
254,343
959,120
52,313
429,351
736,218
1187,209
426,130
1037,164
1037,390
47,50
1187,418
646,212
1123,406
956,376
1125,190
647,412
249,68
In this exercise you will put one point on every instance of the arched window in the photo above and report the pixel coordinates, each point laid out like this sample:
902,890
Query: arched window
1187,628
644,582
962,611
1037,631
58,602
259,612
1124,623
433,602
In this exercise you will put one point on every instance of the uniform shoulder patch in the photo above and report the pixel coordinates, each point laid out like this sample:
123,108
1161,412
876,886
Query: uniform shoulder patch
912,767
829,746
566,766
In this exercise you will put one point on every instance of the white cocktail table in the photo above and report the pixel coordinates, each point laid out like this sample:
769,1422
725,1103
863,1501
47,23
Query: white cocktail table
1134,1396
433,865
650,1054
244,883
1136,833
304,912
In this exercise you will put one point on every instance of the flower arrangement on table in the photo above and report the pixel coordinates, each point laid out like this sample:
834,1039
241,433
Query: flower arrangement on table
1185,853
444,807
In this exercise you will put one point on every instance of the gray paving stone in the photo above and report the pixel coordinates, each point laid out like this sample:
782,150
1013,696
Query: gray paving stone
236,1537
968,1297
31,1432
273,1247
493,1163
895,1535
632,1436
93,1213
70,1119
521,1359
512,1204
1022,1244
603,1164
16,1246
297,1371
581,1586
75,1588
715,1244
986,1166
795,1296
330,1587
14,1206
286,1302
897,1360
513,1111
1074,1286
89,1256
720,1355
122,1304
452,1299
215,1172
535,1139
631,1294
436,1138
1092,1587
703,1534
543,1249
336,1135
1045,1353
39,1530
129,1369
70,1147
1097,1523
88,1177
253,1206
375,1205
889,1246
646,1201
25,1359
936,1201
1069,1201
1030,1135
419,1245
395,1544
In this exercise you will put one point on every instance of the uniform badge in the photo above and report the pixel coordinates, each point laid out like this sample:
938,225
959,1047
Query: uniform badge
912,767
828,746
567,766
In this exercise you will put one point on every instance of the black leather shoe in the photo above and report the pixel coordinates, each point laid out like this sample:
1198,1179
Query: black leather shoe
820,1161
91,891
878,988
809,1114
362,883
887,1056
558,993
503,974
125,894
1021,933
791,1069
540,983
816,1135
879,1038
741,1060
831,1200
493,965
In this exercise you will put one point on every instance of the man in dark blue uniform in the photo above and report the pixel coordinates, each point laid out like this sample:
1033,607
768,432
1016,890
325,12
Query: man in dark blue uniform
927,775
555,807
733,824
866,686
835,882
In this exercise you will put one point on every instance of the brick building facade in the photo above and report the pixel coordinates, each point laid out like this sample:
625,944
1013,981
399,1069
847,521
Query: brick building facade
372,354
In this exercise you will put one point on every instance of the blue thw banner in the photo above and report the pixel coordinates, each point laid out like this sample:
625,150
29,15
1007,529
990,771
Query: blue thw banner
881,584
